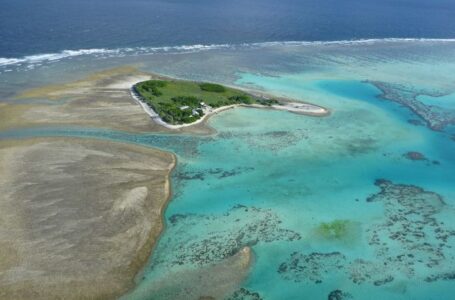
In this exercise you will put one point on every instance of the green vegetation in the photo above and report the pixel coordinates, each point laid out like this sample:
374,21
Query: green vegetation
268,102
245,99
212,87
336,229
183,109
179,102
152,87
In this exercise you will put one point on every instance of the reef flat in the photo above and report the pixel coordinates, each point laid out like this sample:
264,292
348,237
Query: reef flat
435,116
78,217
101,100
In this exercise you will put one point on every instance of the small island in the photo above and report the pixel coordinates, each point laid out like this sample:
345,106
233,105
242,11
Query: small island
180,103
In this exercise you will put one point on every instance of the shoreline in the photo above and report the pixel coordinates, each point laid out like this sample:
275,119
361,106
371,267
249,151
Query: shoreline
154,241
297,107
156,118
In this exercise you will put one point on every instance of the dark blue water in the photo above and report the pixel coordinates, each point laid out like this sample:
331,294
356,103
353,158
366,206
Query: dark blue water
47,26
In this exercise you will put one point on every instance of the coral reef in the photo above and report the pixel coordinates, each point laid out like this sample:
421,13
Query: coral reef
208,242
410,241
435,117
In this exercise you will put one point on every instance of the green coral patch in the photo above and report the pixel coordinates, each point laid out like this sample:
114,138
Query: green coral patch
337,229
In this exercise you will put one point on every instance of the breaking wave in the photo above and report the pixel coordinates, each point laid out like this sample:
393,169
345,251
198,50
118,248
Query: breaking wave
50,57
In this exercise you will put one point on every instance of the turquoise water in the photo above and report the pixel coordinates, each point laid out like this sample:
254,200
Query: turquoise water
446,102
327,204
309,171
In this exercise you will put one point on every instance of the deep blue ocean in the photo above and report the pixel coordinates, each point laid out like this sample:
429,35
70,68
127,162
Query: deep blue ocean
49,26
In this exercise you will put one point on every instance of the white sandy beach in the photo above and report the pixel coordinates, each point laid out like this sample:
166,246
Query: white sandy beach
294,107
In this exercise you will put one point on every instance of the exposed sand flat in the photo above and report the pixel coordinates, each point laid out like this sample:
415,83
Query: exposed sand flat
78,218
11,115
112,78
101,100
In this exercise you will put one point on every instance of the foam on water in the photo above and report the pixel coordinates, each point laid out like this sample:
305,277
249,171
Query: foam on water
50,57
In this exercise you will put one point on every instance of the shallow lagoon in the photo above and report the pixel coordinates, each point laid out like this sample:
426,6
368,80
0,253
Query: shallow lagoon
308,171
269,179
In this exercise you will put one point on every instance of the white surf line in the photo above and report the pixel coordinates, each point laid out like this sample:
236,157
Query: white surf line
50,57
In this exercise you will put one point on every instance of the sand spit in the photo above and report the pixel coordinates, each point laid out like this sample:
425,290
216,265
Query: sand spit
78,218
212,282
